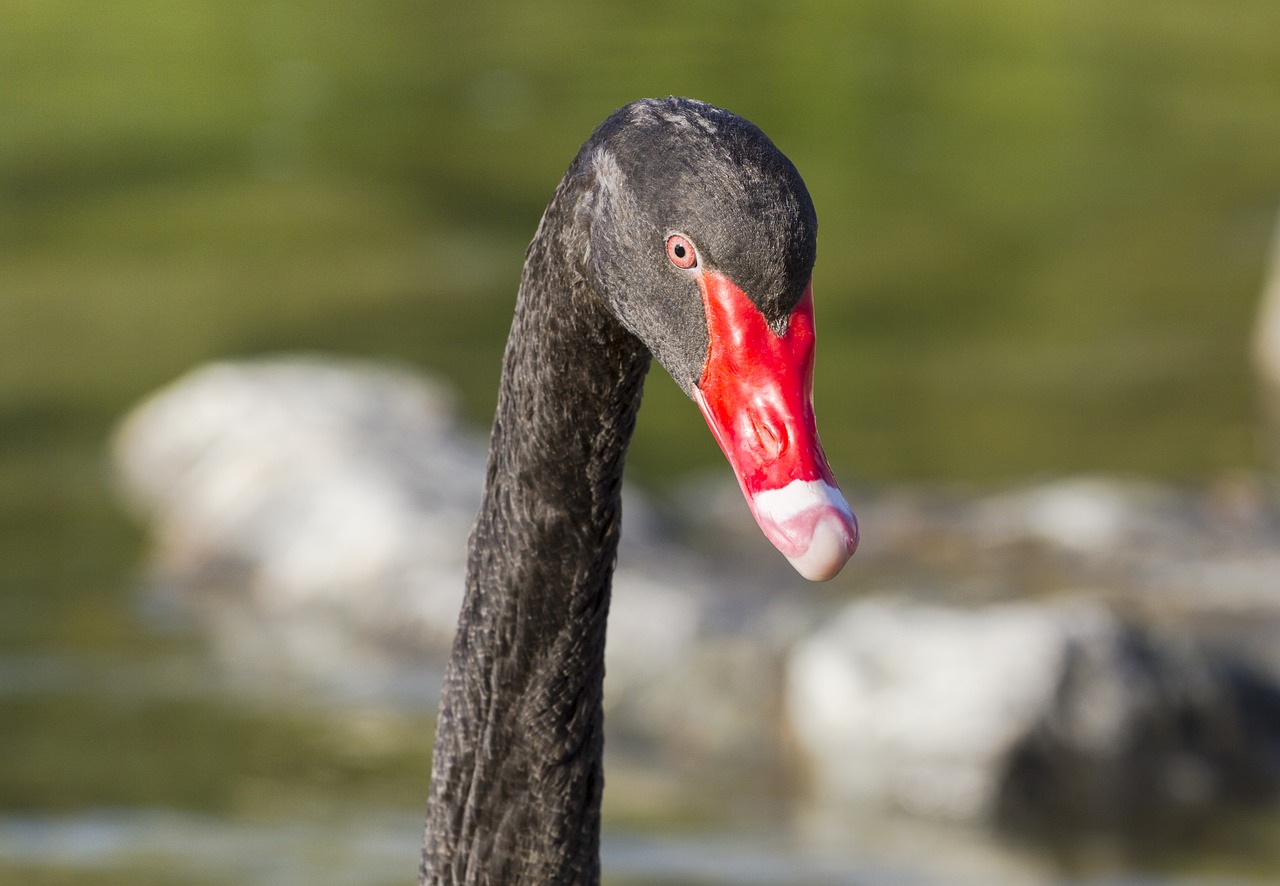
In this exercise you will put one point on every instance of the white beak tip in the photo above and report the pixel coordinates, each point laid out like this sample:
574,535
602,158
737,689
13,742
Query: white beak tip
810,522
829,549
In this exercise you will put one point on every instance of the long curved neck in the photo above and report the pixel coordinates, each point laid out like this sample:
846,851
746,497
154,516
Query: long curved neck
517,770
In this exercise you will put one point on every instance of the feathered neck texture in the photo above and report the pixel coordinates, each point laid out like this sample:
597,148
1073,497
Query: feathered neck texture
517,769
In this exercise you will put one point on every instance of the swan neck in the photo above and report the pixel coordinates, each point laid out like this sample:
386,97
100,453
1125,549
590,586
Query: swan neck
517,768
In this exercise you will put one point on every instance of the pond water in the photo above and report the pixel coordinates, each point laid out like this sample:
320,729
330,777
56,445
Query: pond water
156,846
1043,231
131,756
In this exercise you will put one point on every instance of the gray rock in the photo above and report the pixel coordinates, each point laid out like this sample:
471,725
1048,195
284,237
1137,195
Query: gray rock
1173,556
332,500
313,513
1035,716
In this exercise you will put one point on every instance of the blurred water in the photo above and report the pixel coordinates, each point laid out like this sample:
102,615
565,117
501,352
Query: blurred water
367,850
159,768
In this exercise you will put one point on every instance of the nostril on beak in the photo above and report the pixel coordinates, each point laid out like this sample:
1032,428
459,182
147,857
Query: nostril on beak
771,436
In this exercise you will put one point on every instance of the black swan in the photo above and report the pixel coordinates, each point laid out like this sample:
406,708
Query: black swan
682,232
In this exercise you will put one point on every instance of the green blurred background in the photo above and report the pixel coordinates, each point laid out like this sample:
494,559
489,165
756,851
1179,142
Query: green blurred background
1043,234
1043,224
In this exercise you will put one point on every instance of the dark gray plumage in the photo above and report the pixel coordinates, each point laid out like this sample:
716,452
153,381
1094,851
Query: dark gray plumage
517,773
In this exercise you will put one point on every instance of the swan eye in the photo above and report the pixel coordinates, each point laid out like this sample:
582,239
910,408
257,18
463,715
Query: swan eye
681,252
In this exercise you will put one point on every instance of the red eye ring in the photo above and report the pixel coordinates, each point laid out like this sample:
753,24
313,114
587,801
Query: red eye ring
681,252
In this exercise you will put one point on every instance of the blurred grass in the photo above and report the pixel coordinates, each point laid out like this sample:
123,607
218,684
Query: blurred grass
199,754
1043,225
32,875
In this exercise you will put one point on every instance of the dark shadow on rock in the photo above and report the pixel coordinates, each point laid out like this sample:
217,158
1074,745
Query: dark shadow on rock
1149,744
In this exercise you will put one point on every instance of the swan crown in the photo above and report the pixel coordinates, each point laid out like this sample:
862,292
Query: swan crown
660,166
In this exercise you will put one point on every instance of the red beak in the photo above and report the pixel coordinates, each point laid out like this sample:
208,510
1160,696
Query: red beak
756,393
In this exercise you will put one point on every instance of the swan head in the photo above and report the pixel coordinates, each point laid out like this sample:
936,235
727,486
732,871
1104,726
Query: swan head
702,239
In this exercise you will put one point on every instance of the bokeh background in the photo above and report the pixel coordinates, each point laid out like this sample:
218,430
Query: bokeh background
1044,231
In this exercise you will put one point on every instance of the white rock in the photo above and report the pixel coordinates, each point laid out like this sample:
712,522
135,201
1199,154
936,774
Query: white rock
916,706
316,513
311,482
1047,716
1087,515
